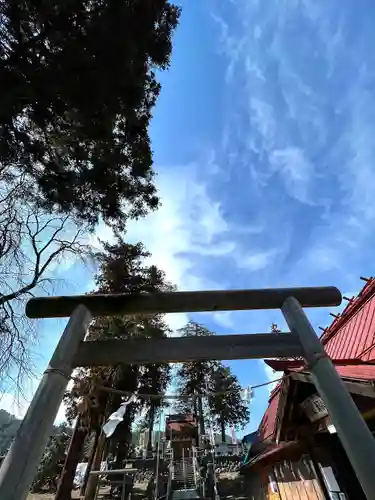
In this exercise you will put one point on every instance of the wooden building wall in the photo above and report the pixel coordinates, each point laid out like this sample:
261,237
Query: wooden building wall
286,480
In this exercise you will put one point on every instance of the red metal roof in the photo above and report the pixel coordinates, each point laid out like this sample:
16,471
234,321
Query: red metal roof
267,426
355,370
360,372
349,339
273,451
352,334
282,365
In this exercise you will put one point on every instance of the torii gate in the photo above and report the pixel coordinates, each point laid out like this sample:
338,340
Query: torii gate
19,466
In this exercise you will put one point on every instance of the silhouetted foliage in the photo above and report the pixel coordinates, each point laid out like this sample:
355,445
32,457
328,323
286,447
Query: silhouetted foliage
78,84
9,426
123,268
194,377
226,407
200,377
52,461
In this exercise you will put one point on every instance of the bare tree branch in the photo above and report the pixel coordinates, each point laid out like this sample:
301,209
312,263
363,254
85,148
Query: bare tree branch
32,244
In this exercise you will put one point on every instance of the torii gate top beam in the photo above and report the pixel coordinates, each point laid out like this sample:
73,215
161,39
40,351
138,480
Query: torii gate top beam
174,302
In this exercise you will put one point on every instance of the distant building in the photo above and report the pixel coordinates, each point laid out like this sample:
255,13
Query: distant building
181,427
227,449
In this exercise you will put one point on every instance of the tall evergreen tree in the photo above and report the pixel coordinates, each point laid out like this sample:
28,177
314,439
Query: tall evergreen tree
193,377
51,464
123,268
226,407
154,380
78,85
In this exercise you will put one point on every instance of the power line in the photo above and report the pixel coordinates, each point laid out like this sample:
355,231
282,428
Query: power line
185,396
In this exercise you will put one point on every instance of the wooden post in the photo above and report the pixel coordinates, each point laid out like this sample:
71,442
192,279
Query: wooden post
72,458
89,463
92,483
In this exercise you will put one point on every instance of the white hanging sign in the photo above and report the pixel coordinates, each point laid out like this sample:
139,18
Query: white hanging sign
110,426
247,394
314,408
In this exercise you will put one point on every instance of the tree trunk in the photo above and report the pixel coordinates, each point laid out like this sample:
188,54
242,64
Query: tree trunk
201,416
89,463
122,436
222,425
93,480
73,457
121,453
151,426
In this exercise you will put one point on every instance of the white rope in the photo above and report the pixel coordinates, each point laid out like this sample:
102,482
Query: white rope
247,391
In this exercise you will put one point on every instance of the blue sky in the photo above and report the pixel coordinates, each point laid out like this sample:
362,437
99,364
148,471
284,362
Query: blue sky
263,141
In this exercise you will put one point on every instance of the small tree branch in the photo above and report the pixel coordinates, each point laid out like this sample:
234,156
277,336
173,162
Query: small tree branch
32,242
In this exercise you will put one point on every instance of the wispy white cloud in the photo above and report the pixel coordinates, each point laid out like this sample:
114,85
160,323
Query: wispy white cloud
295,170
290,115
187,223
272,376
224,319
13,405
176,321
18,406
304,116
188,226
258,260
263,120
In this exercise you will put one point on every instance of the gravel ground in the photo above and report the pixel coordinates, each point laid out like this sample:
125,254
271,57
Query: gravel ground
46,496
139,493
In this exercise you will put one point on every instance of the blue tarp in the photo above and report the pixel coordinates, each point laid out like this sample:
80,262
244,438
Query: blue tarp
251,438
